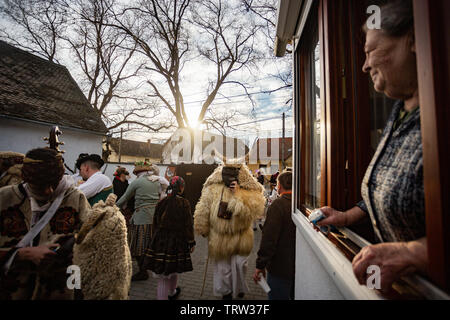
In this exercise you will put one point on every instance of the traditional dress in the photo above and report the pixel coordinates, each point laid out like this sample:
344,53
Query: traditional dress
169,250
11,176
101,251
19,211
11,162
146,193
96,188
119,189
229,230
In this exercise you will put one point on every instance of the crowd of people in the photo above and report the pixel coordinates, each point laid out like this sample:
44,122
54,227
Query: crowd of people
49,219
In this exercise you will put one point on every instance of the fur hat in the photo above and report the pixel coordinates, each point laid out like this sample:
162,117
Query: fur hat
11,154
142,166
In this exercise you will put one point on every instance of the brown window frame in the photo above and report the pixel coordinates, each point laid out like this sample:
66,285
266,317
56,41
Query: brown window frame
432,27
345,90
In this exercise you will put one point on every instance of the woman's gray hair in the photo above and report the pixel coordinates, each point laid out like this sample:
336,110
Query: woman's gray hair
397,18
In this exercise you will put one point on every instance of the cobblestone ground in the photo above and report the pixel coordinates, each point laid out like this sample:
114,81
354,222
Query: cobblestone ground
191,282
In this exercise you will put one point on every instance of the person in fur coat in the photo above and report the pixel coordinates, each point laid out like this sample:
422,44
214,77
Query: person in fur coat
231,200
10,168
101,251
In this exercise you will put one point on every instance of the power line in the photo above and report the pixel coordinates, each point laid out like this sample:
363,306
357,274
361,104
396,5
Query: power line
239,95
260,120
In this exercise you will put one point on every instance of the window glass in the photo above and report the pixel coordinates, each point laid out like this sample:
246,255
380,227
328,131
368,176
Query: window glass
313,126
380,109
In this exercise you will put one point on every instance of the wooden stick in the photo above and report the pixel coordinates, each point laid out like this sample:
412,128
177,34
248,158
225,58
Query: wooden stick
204,276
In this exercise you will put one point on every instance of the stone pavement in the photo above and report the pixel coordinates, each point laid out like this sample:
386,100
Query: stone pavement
191,282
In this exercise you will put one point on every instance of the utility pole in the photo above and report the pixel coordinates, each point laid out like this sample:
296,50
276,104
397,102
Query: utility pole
120,144
282,144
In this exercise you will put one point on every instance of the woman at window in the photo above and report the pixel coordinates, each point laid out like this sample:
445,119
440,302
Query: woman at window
392,189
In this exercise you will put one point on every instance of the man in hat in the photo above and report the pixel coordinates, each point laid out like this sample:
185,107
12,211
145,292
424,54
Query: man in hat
38,220
231,200
10,168
146,191
77,178
96,185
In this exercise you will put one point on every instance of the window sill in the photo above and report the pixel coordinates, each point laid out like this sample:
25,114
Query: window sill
335,263
339,267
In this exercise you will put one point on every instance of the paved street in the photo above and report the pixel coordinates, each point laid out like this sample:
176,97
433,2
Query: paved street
191,282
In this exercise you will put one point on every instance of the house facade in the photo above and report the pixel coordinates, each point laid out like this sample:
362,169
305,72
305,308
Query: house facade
195,146
130,151
270,155
338,120
35,95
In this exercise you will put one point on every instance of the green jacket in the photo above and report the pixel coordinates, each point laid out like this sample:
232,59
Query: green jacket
100,196
146,195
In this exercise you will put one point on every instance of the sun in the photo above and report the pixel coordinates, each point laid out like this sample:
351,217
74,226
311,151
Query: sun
193,124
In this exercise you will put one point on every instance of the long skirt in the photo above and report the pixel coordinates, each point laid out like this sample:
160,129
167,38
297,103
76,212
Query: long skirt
168,253
139,237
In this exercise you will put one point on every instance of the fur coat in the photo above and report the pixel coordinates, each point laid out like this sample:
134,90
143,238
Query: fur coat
235,236
48,281
101,251
13,176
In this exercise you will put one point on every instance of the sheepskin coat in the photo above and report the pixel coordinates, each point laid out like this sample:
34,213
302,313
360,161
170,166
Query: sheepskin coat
13,176
235,236
101,251
24,280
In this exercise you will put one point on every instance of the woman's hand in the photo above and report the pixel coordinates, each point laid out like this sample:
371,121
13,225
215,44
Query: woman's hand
334,217
341,219
395,259
37,254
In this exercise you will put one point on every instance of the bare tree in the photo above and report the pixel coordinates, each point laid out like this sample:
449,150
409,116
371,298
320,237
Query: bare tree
221,120
157,28
106,58
37,25
266,12
162,29
231,45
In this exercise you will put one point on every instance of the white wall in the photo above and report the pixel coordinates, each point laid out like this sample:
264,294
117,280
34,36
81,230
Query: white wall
22,136
322,271
312,281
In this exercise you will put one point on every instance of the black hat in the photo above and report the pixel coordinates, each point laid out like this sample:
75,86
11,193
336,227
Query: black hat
83,157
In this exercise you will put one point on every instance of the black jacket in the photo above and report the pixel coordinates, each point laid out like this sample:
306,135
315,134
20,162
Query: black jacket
277,249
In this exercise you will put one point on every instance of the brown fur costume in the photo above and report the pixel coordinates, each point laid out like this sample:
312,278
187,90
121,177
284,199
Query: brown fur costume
234,236
13,176
101,251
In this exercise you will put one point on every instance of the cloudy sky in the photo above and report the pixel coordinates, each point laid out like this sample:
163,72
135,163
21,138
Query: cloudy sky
263,119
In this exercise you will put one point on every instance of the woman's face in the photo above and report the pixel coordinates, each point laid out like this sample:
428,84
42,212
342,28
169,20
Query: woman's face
391,63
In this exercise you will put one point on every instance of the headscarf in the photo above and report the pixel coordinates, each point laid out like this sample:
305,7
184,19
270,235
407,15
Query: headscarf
175,185
119,171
